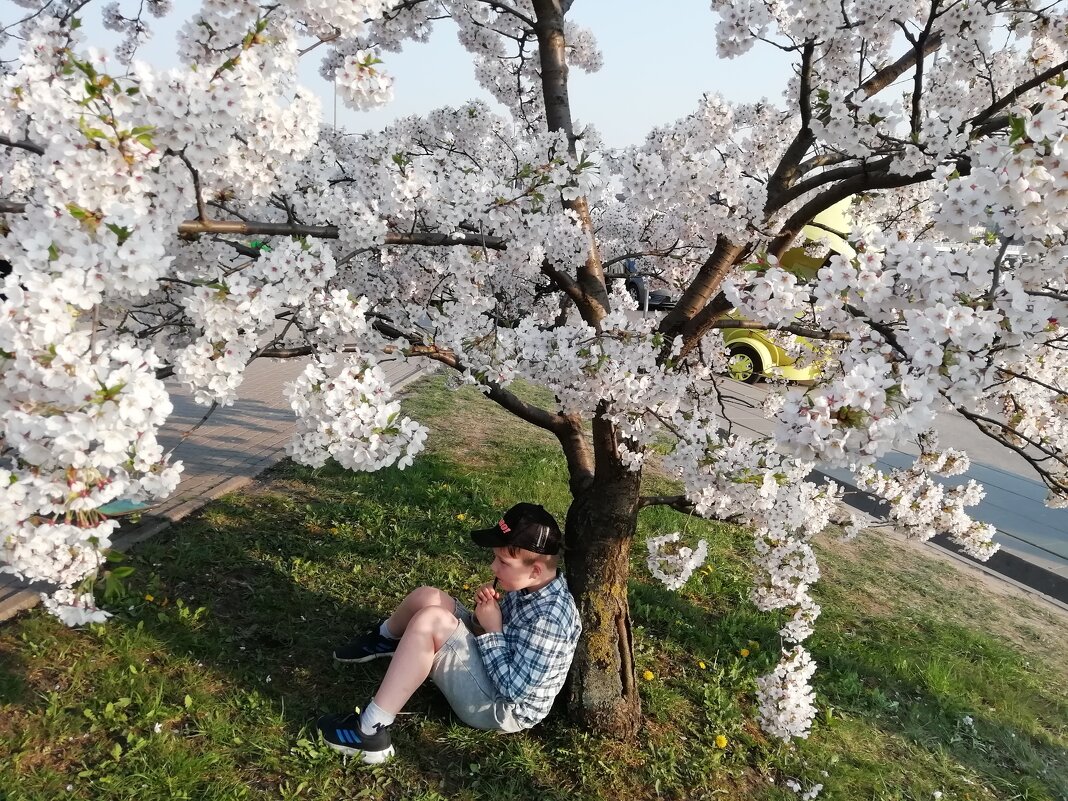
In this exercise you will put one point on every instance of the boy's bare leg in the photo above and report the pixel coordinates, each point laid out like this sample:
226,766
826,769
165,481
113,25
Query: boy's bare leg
415,601
425,633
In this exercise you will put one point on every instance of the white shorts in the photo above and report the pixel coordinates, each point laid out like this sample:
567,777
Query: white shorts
461,676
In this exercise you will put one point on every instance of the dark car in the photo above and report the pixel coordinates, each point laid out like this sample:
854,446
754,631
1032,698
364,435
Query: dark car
657,299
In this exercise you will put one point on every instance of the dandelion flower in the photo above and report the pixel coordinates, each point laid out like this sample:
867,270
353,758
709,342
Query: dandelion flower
701,665
743,651
721,741
461,516
149,598
648,675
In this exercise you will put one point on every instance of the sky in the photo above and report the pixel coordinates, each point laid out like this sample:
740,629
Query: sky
657,64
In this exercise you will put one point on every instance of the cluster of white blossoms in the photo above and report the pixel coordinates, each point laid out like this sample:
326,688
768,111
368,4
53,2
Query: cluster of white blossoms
671,564
347,412
361,85
787,704
102,294
923,507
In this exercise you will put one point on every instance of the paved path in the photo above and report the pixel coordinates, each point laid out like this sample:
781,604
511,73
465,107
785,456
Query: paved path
236,444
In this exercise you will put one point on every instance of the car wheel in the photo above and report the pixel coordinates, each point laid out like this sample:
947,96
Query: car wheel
744,364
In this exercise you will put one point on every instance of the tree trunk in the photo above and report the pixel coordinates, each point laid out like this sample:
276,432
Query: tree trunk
603,692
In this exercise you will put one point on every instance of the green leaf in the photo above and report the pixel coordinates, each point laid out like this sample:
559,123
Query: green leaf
120,231
188,702
1017,129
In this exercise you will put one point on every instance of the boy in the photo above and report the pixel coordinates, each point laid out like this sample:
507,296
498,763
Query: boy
499,669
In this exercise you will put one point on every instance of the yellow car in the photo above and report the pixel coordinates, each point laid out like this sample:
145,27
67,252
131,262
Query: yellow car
753,354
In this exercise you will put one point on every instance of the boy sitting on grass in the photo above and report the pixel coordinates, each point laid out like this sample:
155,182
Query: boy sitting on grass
499,669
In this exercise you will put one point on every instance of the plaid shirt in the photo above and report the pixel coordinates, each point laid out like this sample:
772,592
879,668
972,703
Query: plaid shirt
529,660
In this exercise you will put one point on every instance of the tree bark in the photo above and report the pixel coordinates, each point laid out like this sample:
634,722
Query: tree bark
603,690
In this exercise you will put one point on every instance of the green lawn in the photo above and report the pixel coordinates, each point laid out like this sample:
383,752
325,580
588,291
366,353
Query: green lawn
204,684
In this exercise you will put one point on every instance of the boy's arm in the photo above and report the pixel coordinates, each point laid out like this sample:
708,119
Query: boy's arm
521,666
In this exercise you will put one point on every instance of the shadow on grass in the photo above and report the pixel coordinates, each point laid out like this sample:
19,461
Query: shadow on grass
287,575
14,688
286,578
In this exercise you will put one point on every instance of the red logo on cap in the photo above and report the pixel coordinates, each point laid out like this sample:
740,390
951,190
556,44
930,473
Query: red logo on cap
504,526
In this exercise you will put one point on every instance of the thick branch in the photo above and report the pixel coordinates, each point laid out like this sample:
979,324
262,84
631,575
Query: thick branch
791,166
567,429
851,186
677,502
704,285
887,75
992,110
252,228
564,281
593,304
788,169
24,144
830,176
917,81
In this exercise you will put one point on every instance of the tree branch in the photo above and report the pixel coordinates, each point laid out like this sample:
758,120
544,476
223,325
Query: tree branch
693,312
202,212
990,111
984,424
791,328
24,144
593,302
191,228
677,502
851,186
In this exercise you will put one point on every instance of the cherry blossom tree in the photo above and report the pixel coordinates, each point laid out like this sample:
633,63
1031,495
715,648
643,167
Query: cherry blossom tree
483,242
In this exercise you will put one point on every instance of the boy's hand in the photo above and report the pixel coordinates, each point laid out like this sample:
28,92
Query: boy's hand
486,593
487,610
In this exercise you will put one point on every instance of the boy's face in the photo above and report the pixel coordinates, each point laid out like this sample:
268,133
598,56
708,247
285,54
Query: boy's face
513,573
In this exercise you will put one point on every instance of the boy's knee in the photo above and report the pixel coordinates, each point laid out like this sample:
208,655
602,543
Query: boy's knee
424,597
436,621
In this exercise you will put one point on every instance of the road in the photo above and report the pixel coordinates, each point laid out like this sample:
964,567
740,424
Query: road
1014,495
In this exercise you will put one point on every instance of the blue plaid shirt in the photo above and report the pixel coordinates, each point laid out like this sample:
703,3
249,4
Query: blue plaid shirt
529,660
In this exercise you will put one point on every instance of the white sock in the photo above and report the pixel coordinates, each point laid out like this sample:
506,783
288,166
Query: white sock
385,632
373,718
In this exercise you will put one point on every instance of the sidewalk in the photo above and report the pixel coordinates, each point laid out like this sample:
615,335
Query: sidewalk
236,444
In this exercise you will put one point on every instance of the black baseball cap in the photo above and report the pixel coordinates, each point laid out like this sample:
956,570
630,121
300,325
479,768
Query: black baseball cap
525,525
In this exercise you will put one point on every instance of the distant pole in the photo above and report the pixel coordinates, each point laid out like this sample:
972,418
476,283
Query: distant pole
335,104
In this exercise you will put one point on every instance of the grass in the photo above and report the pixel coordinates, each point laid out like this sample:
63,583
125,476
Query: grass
204,684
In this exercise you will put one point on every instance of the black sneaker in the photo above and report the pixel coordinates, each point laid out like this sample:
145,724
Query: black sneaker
342,733
366,647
